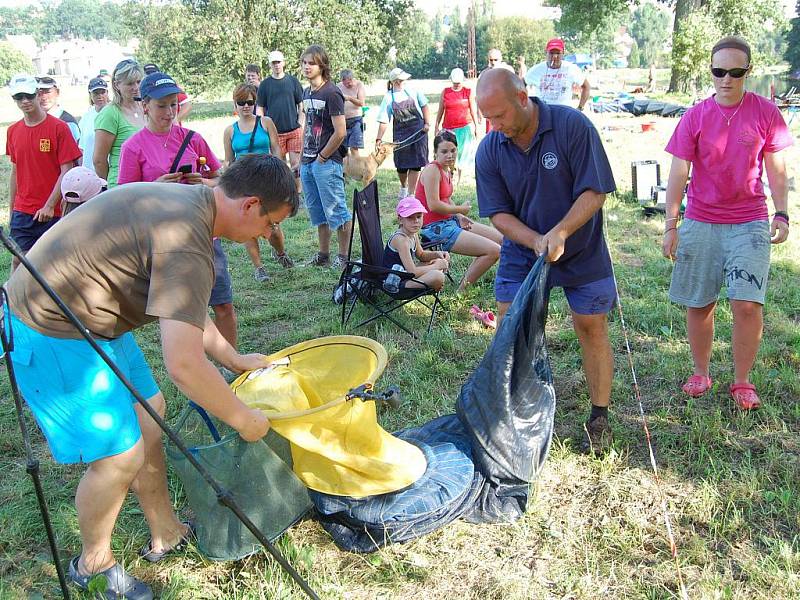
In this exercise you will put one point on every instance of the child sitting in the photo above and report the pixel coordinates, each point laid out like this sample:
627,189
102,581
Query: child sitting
404,244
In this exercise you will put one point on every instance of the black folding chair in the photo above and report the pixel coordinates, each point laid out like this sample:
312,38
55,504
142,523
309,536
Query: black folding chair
363,280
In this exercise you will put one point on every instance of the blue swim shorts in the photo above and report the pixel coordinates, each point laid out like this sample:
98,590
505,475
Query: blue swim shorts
83,409
444,233
595,298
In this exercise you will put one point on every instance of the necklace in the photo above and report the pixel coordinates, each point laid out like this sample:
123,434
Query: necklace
728,120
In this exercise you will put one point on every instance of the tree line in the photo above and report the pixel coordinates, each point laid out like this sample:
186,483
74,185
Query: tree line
207,43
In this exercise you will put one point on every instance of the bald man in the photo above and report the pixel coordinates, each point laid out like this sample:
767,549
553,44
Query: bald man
542,177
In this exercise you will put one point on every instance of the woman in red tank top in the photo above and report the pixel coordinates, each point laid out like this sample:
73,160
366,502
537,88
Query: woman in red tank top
447,224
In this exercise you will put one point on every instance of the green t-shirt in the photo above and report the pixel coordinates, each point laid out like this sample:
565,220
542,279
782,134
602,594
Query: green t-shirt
112,120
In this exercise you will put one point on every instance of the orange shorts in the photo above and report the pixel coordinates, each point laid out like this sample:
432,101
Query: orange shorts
291,141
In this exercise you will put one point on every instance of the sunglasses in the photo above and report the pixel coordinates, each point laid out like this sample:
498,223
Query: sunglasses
245,103
23,96
736,73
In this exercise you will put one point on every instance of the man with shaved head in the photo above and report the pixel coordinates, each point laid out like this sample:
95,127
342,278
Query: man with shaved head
542,177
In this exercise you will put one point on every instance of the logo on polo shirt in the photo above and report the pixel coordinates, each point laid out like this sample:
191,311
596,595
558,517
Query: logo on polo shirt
44,145
549,160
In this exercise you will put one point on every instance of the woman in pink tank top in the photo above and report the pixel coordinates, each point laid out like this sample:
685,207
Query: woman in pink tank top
447,224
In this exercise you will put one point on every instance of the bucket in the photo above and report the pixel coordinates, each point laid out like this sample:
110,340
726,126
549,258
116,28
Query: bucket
648,126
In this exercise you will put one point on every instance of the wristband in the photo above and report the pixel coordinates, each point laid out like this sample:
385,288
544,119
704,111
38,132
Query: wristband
323,157
780,218
672,219
666,231
782,215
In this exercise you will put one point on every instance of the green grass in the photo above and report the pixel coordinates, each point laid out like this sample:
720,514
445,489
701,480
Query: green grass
594,528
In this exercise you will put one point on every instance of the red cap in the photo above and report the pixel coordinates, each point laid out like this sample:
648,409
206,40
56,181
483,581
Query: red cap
555,44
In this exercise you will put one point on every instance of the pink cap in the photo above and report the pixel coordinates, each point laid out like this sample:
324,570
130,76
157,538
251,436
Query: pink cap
410,206
81,184
555,44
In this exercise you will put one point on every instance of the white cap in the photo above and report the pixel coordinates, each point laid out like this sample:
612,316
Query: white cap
398,73
22,83
276,56
457,75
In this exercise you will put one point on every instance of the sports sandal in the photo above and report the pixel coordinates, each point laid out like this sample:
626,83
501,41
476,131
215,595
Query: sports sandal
118,583
147,552
486,317
697,385
744,394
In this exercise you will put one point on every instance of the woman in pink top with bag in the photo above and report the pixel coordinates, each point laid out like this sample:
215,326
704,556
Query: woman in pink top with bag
447,224
166,152
729,140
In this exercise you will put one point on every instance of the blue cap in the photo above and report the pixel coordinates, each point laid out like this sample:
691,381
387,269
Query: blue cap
157,85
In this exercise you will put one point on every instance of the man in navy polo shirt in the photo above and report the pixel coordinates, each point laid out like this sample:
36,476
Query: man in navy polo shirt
542,176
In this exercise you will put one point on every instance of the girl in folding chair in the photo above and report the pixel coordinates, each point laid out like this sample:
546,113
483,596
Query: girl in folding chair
447,225
404,245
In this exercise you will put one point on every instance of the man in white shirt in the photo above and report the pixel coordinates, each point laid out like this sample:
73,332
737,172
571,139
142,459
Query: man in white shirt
553,80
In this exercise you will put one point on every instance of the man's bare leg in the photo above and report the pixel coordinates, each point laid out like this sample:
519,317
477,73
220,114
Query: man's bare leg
150,484
98,500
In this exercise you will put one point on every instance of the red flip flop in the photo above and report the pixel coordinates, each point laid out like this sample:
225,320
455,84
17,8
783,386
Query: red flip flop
745,396
697,385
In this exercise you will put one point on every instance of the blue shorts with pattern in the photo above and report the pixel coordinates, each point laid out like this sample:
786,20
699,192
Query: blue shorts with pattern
443,233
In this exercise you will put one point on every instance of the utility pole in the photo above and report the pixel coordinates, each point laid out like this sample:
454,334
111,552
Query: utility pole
472,67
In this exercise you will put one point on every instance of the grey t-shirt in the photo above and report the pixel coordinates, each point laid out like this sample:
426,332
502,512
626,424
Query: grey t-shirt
126,257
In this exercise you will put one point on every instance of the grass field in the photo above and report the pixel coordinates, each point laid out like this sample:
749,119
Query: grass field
594,528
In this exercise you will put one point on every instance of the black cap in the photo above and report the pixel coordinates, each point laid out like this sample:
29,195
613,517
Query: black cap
150,68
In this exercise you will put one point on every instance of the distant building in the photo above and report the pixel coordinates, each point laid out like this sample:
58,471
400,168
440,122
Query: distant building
73,61
25,44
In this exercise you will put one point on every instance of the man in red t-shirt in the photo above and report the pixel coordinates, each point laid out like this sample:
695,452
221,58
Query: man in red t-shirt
41,149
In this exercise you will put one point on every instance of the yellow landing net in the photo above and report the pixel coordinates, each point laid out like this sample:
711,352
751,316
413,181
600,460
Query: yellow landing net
337,445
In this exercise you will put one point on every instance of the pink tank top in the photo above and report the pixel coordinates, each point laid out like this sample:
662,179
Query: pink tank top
445,191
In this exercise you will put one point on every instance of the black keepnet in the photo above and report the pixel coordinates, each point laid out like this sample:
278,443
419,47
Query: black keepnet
508,404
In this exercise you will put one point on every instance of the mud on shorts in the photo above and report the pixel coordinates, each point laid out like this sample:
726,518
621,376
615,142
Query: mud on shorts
712,254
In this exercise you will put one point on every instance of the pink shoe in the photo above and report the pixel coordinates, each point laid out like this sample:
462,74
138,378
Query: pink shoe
697,385
744,394
485,317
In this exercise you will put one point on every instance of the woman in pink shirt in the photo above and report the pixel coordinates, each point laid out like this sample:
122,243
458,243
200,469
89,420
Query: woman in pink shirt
157,152
728,140
166,152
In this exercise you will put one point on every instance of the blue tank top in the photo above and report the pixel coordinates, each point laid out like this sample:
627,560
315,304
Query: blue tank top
391,256
240,142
